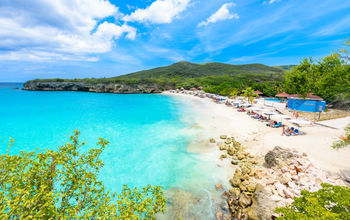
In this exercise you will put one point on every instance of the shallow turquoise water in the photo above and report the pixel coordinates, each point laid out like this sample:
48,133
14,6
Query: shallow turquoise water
146,142
147,134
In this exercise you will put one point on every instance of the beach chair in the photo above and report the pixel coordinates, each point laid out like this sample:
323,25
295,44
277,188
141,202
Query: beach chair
278,125
296,132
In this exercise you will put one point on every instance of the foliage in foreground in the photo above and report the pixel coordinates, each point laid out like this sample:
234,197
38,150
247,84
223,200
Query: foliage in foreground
330,202
64,184
345,141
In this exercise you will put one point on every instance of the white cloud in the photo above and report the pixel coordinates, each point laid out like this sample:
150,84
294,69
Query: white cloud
159,12
222,14
271,1
58,30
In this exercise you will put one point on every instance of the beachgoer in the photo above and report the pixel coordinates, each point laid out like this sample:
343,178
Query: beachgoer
287,131
283,130
291,131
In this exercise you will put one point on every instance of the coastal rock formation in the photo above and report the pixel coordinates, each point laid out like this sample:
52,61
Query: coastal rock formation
94,87
260,184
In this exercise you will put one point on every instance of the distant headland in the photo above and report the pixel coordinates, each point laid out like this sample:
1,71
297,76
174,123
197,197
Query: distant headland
214,77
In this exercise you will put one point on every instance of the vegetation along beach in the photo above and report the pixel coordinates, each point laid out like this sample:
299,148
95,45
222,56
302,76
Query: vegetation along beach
175,109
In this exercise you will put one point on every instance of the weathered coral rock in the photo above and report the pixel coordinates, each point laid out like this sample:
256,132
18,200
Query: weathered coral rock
223,136
270,159
286,178
235,191
277,156
222,147
235,182
223,156
234,162
287,193
262,205
244,200
219,216
251,187
240,156
242,187
219,186
230,151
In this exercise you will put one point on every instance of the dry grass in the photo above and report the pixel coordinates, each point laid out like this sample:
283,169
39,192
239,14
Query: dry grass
329,114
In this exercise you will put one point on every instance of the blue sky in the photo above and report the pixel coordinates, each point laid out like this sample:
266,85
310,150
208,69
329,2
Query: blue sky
100,38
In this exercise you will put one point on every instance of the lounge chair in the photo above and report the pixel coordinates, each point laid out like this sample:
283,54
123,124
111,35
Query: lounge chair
296,132
279,124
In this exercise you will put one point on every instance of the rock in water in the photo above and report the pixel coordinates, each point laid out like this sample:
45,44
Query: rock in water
219,186
219,216
212,140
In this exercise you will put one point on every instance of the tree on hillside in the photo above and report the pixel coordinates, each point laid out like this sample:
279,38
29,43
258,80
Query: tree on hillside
234,93
249,93
64,184
328,77
297,80
344,52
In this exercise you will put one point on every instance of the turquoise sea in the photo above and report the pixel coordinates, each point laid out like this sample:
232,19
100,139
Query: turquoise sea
147,134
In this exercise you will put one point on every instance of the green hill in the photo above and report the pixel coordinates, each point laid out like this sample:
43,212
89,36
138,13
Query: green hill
191,70
219,78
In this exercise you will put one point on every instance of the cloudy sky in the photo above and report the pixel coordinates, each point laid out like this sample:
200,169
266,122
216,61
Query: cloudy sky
101,38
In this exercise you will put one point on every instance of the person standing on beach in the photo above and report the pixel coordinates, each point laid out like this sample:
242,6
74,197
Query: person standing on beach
283,130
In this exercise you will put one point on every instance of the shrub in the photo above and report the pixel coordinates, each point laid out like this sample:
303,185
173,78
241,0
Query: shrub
330,202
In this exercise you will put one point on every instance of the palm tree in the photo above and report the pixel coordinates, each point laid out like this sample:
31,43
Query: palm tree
250,94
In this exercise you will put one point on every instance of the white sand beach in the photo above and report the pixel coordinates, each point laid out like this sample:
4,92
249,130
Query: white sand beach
216,119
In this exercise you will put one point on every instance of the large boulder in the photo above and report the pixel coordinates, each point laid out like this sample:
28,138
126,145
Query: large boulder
244,200
263,206
235,182
278,156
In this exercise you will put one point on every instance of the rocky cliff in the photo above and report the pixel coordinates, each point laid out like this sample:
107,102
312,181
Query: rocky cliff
94,87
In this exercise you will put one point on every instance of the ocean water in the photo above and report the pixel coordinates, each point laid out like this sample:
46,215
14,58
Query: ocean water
147,134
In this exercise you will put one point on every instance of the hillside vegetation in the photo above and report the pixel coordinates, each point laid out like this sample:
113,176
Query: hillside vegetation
217,78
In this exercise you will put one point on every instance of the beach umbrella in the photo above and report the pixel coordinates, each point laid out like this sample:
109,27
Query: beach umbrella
269,114
258,92
254,108
280,116
282,95
246,105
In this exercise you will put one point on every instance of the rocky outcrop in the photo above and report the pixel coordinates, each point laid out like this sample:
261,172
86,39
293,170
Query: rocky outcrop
94,87
260,184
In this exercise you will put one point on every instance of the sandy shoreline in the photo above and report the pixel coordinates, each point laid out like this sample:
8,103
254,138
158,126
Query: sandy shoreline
217,119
